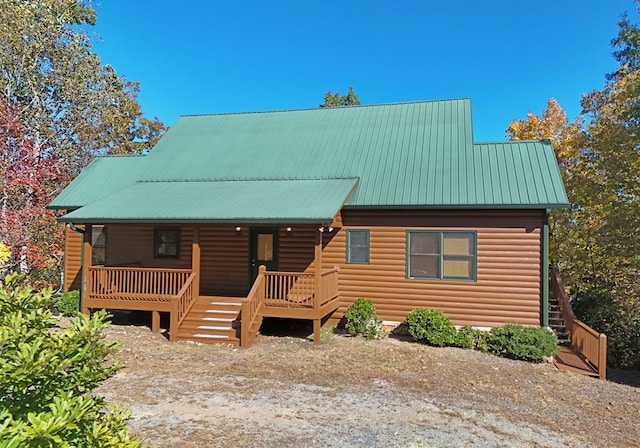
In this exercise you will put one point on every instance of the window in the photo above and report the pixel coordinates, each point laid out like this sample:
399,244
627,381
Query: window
98,245
166,243
358,246
445,255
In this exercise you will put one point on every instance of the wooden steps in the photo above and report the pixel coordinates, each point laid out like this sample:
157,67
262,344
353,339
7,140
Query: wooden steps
556,321
212,320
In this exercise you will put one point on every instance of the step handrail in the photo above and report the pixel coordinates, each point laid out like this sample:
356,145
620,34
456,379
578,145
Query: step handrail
586,341
251,313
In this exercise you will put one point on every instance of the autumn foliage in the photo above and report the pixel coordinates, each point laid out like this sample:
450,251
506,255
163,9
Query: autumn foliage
31,179
595,242
60,106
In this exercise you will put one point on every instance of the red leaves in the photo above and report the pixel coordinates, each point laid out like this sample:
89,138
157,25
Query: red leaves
31,176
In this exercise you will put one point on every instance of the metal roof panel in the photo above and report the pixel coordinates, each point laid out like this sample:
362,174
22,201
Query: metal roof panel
405,155
316,201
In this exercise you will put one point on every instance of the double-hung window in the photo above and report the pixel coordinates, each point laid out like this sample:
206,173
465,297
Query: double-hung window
441,255
358,246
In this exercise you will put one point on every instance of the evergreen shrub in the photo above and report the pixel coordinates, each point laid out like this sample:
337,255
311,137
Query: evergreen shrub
47,375
525,343
68,303
361,320
469,337
431,327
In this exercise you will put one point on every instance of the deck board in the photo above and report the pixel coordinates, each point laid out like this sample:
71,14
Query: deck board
567,360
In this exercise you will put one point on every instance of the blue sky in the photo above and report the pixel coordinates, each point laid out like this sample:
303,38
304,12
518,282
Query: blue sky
216,56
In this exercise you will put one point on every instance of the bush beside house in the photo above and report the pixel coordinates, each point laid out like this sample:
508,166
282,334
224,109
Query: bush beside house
510,340
361,320
47,375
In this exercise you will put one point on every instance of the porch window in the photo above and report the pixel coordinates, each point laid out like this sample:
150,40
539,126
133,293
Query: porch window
166,242
441,255
98,245
358,246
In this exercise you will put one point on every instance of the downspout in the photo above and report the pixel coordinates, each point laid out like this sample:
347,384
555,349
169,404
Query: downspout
73,227
545,269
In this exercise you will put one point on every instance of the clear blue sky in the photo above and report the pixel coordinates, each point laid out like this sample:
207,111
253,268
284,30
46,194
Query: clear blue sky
219,56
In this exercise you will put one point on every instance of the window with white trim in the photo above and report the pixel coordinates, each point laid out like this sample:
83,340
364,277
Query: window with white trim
441,255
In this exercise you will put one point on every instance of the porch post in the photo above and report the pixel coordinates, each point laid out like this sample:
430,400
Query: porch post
87,251
317,323
195,260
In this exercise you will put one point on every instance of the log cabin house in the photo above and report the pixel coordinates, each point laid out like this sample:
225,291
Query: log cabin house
234,217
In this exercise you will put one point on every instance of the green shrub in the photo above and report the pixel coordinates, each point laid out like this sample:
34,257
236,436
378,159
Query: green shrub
361,320
430,327
47,375
525,343
68,303
469,337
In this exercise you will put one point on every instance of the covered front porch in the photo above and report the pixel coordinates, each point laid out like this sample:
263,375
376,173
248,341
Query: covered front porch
218,316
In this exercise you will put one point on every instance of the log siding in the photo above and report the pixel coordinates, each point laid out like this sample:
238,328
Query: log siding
507,287
508,283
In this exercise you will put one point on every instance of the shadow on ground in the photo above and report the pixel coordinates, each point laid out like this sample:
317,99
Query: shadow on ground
627,377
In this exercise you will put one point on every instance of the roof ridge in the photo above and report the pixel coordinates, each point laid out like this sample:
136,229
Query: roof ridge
118,156
359,106
262,179
509,142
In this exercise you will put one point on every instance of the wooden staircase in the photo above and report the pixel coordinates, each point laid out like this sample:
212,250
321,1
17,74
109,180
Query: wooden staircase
556,321
212,320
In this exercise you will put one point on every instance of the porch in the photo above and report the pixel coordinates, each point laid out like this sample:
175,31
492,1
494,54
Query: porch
209,319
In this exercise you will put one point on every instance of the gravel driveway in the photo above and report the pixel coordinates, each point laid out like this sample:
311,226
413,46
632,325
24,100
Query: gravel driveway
349,392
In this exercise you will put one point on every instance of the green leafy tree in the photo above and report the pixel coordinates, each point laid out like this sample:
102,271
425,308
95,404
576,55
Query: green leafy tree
47,375
595,243
70,102
59,107
337,100
569,245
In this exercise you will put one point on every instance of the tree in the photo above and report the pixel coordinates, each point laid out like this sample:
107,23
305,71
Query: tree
626,45
70,103
337,100
595,242
59,107
568,141
29,230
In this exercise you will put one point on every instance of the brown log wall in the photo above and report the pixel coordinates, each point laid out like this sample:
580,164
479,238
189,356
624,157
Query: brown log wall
508,286
507,289
72,259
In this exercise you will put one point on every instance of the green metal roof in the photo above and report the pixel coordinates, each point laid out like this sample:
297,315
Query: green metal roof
292,201
418,154
103,176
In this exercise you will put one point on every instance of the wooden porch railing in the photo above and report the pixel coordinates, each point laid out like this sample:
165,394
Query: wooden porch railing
138,284
147,289
287,294
584,339
328,286
181,305
250,315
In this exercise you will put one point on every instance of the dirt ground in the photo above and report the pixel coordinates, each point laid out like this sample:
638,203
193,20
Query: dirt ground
349,392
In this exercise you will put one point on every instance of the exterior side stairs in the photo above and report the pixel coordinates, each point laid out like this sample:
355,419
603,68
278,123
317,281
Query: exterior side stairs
212,320
556,321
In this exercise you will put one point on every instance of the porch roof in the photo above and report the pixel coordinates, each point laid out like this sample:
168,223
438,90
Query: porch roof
286,201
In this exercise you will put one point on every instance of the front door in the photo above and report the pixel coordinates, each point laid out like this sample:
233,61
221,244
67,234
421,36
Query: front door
263,250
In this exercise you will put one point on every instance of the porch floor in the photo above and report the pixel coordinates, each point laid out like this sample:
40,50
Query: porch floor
568,361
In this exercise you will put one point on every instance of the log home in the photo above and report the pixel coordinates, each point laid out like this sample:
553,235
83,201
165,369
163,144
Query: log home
234,217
